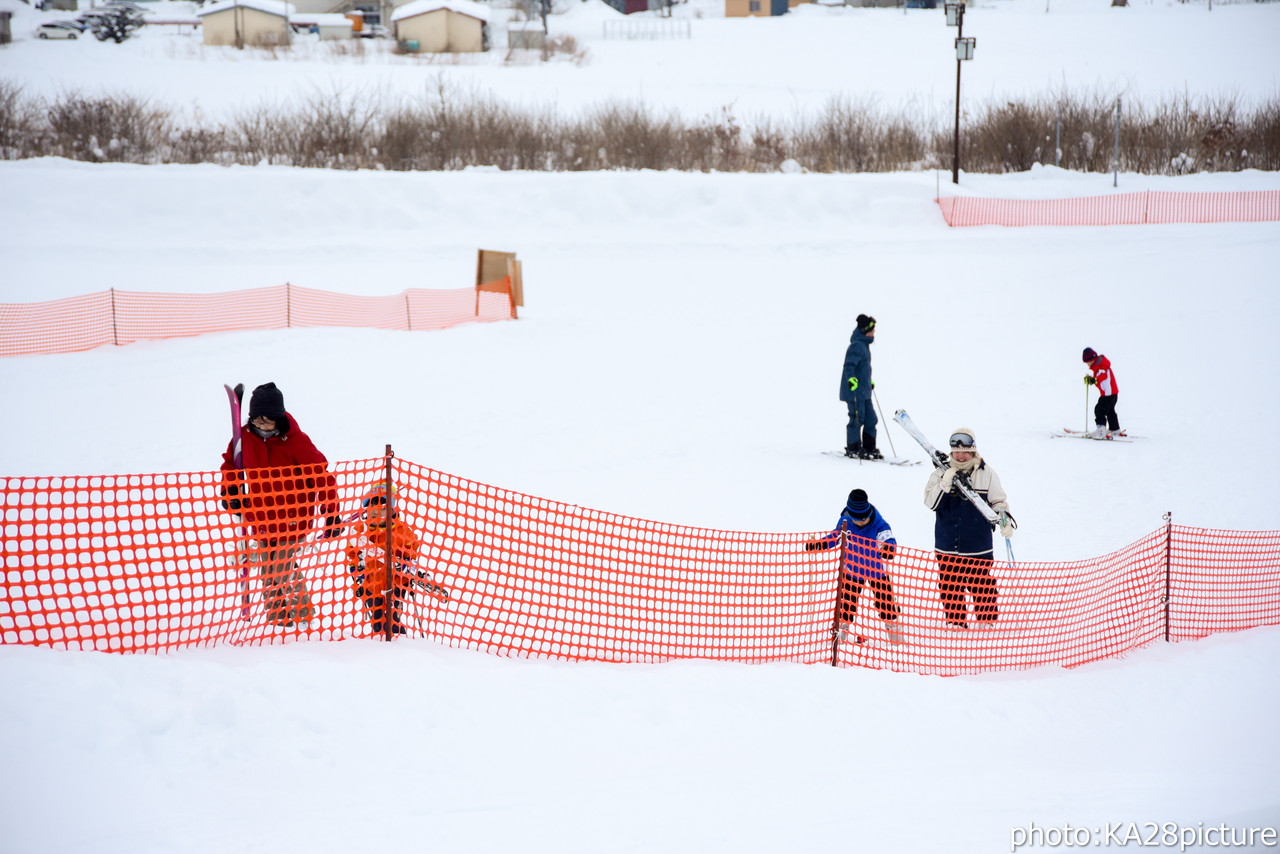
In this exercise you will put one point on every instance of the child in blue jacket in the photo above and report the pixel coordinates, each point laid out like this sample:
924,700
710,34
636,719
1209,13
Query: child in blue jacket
869,541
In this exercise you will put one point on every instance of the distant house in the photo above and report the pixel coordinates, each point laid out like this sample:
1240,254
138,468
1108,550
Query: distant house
442,26
241,23
630,7
754,8
328,25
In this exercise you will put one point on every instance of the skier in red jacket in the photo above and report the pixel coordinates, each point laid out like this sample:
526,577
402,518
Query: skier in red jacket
1106,422
281,491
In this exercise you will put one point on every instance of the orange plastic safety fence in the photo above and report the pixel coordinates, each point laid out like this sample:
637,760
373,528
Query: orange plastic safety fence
123,317
533,577
1222,581
154,562
1012,615
1123,209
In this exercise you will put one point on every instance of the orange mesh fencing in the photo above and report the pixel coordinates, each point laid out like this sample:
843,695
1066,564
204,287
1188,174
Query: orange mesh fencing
1221,581
123,317
156,562
1122,209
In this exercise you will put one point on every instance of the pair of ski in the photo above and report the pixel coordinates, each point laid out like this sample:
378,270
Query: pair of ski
420,582
893,461
420,578
235,396
1120,436
414,578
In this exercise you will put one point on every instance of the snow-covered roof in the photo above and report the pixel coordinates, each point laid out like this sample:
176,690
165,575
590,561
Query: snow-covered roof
422,7
271,7
320,19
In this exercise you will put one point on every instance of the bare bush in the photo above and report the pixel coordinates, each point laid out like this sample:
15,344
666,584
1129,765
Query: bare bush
627,136
853,138
452,130
1261,138
332,132
199,145
21,130
121,128
258,136
568,46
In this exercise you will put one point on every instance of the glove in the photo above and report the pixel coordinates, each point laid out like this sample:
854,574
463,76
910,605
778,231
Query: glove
812,546
231,500
853,383
948,475
1008,524
1089,380
332,527
887,551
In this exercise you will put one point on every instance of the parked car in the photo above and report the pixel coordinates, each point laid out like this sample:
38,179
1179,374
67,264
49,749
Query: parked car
93,16
57,30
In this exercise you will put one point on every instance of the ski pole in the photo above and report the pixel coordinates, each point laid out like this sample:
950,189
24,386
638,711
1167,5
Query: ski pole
1008,545
876,398
1086,407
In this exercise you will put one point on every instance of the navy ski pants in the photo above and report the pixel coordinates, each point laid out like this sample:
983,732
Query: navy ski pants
861,431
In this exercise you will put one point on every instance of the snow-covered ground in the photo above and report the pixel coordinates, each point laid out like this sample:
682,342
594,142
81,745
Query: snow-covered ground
338,748
677,360
679,355
894,59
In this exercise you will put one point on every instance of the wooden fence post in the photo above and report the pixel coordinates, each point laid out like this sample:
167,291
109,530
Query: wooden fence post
389,613
840,584
1168,562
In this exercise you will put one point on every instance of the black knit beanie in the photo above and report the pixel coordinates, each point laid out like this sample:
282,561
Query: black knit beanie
858,505
866,323
267,400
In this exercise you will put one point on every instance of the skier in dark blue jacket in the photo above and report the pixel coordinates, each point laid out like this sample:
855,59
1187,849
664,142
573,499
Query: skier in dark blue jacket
868,542
855,391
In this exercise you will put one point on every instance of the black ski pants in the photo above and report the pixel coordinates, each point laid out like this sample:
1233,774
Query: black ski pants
1104,412
852,589
961,577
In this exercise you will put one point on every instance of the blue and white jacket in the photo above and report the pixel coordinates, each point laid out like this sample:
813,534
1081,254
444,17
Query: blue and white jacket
863,558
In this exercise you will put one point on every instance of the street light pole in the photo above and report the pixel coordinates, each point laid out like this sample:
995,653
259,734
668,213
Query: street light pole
964,50
955,150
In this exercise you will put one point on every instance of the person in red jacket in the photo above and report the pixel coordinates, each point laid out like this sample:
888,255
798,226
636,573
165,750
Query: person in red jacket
1106,422
279,492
